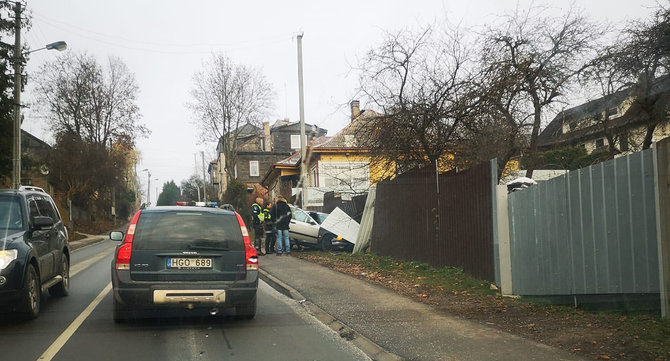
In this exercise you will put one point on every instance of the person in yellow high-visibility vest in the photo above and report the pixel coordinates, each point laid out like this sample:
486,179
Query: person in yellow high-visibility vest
270,229
257,222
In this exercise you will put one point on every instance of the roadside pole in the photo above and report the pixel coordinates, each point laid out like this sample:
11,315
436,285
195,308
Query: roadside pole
662,185
16,154
204,180
303,137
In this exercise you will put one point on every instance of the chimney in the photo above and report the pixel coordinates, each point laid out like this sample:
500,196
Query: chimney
267,144
355,109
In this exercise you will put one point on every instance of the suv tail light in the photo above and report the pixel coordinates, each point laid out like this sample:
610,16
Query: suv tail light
123,254
249,250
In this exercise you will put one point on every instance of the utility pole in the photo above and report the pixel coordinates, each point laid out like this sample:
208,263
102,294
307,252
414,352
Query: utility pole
148,188
204,180
195,161
16,156
303,137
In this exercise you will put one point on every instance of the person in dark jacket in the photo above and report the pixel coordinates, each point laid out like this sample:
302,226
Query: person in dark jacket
257,222
270,230
281,213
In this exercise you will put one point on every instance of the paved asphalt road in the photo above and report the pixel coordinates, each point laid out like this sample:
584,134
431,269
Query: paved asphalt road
80,327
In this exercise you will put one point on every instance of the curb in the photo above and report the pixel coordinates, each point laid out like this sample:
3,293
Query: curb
371,349
86,242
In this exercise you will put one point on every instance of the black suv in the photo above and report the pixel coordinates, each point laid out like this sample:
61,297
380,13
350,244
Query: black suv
34,250
184,257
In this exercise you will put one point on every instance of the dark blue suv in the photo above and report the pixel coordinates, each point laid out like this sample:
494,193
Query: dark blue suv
34,250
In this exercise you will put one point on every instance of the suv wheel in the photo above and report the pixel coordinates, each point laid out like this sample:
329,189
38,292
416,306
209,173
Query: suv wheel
62,288
247,311
32,293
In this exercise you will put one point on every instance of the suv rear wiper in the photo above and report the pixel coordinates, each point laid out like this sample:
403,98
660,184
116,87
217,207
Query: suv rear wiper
209,245
207,248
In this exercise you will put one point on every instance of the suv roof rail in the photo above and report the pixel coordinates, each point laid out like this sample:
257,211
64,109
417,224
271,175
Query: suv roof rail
31,188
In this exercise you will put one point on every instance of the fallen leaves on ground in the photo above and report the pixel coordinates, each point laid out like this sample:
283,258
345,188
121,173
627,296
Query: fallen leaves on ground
574,330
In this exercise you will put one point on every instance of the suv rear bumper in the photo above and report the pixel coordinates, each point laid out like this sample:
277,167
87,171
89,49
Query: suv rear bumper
147,294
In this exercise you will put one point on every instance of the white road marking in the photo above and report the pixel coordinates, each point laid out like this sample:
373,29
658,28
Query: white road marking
70,330
80,266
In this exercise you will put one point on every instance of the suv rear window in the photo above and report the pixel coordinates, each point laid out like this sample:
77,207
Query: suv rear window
181,231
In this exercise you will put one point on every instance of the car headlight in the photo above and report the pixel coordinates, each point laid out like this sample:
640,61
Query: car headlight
7,256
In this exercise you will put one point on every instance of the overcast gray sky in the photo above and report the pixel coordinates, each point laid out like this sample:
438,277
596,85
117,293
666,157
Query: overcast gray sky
164,42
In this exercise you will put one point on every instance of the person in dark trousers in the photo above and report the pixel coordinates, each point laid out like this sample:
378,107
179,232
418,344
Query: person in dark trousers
270,230
281,213
257,222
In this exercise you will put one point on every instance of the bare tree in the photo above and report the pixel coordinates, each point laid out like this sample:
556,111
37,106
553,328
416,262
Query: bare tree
606,75
226,96
544,53
95,103
87,173
93,113
500,125
645,60
191,189
418,80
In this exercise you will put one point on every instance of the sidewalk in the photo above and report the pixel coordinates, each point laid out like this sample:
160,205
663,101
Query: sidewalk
91,238
403,328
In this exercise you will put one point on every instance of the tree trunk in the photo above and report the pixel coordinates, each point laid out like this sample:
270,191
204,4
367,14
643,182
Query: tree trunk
611,145
648,138
533,139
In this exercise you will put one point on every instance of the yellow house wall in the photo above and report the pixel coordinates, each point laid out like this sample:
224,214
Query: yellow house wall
378,170
341,157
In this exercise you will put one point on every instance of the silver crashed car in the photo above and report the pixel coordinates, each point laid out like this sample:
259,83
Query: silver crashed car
305,230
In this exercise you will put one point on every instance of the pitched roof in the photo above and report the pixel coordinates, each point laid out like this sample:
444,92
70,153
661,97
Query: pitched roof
283,124
553,133
349,136
293,159
247,128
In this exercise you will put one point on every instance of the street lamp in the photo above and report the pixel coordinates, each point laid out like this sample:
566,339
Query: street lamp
58,45
148,185
16,151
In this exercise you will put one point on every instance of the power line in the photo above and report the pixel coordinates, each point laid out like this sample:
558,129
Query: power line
141,45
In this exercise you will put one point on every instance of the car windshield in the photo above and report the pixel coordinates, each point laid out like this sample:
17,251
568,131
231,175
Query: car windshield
187,231
318,216
11,218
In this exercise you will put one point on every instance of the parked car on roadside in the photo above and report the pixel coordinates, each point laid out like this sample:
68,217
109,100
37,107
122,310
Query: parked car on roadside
34,250
184,257
305,230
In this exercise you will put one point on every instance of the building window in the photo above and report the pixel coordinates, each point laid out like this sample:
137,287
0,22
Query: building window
344,176
253,168
295,141
315,177
600,143
612,112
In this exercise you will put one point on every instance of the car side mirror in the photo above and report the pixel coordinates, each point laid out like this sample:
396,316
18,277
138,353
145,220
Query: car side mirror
116,236
43,222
